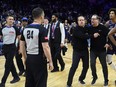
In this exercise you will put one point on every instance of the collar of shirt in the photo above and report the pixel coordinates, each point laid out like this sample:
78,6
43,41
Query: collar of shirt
9,26
55,24
46,26
22,27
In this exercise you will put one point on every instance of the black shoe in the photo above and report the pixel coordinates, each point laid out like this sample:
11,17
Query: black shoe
15,80
82,82
68,86
2,85
21,73
93,81
106,83
62,67
55,70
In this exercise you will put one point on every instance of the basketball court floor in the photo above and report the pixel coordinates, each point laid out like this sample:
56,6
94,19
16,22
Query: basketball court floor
59,79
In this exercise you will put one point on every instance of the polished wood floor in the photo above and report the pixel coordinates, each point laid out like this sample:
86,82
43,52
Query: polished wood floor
59,79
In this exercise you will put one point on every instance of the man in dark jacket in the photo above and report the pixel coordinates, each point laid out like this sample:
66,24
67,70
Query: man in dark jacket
98,48
80,50
56,36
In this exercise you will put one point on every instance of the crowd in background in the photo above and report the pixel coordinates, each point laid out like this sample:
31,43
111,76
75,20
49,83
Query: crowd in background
67,9
66,21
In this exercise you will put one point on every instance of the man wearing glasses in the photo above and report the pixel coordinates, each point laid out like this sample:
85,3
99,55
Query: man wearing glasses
98,48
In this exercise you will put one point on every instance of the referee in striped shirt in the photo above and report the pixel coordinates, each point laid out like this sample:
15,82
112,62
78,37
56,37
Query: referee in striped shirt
34,36
9,34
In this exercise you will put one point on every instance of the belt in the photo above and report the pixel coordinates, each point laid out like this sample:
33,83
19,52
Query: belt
9,44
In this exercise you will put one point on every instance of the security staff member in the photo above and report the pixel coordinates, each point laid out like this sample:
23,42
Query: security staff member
80,50
35,38
9,34
56,39
98,48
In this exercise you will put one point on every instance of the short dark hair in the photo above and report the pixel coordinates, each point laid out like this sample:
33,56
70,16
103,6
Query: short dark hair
98,17
37,12
81,16
9,16
112,9
56,14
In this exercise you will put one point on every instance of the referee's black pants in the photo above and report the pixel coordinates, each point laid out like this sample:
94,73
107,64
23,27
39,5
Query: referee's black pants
36,71
19,61
84,55
56,55
9,52
102,58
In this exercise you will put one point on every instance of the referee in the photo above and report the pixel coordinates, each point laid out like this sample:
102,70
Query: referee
34,36
9,34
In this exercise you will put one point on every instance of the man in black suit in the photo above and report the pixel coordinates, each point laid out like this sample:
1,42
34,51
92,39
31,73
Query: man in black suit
56,40
46,24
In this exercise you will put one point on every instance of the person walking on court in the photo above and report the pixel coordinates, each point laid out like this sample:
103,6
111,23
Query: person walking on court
98,48
9,33
18,55
34,36
80,35
56,36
